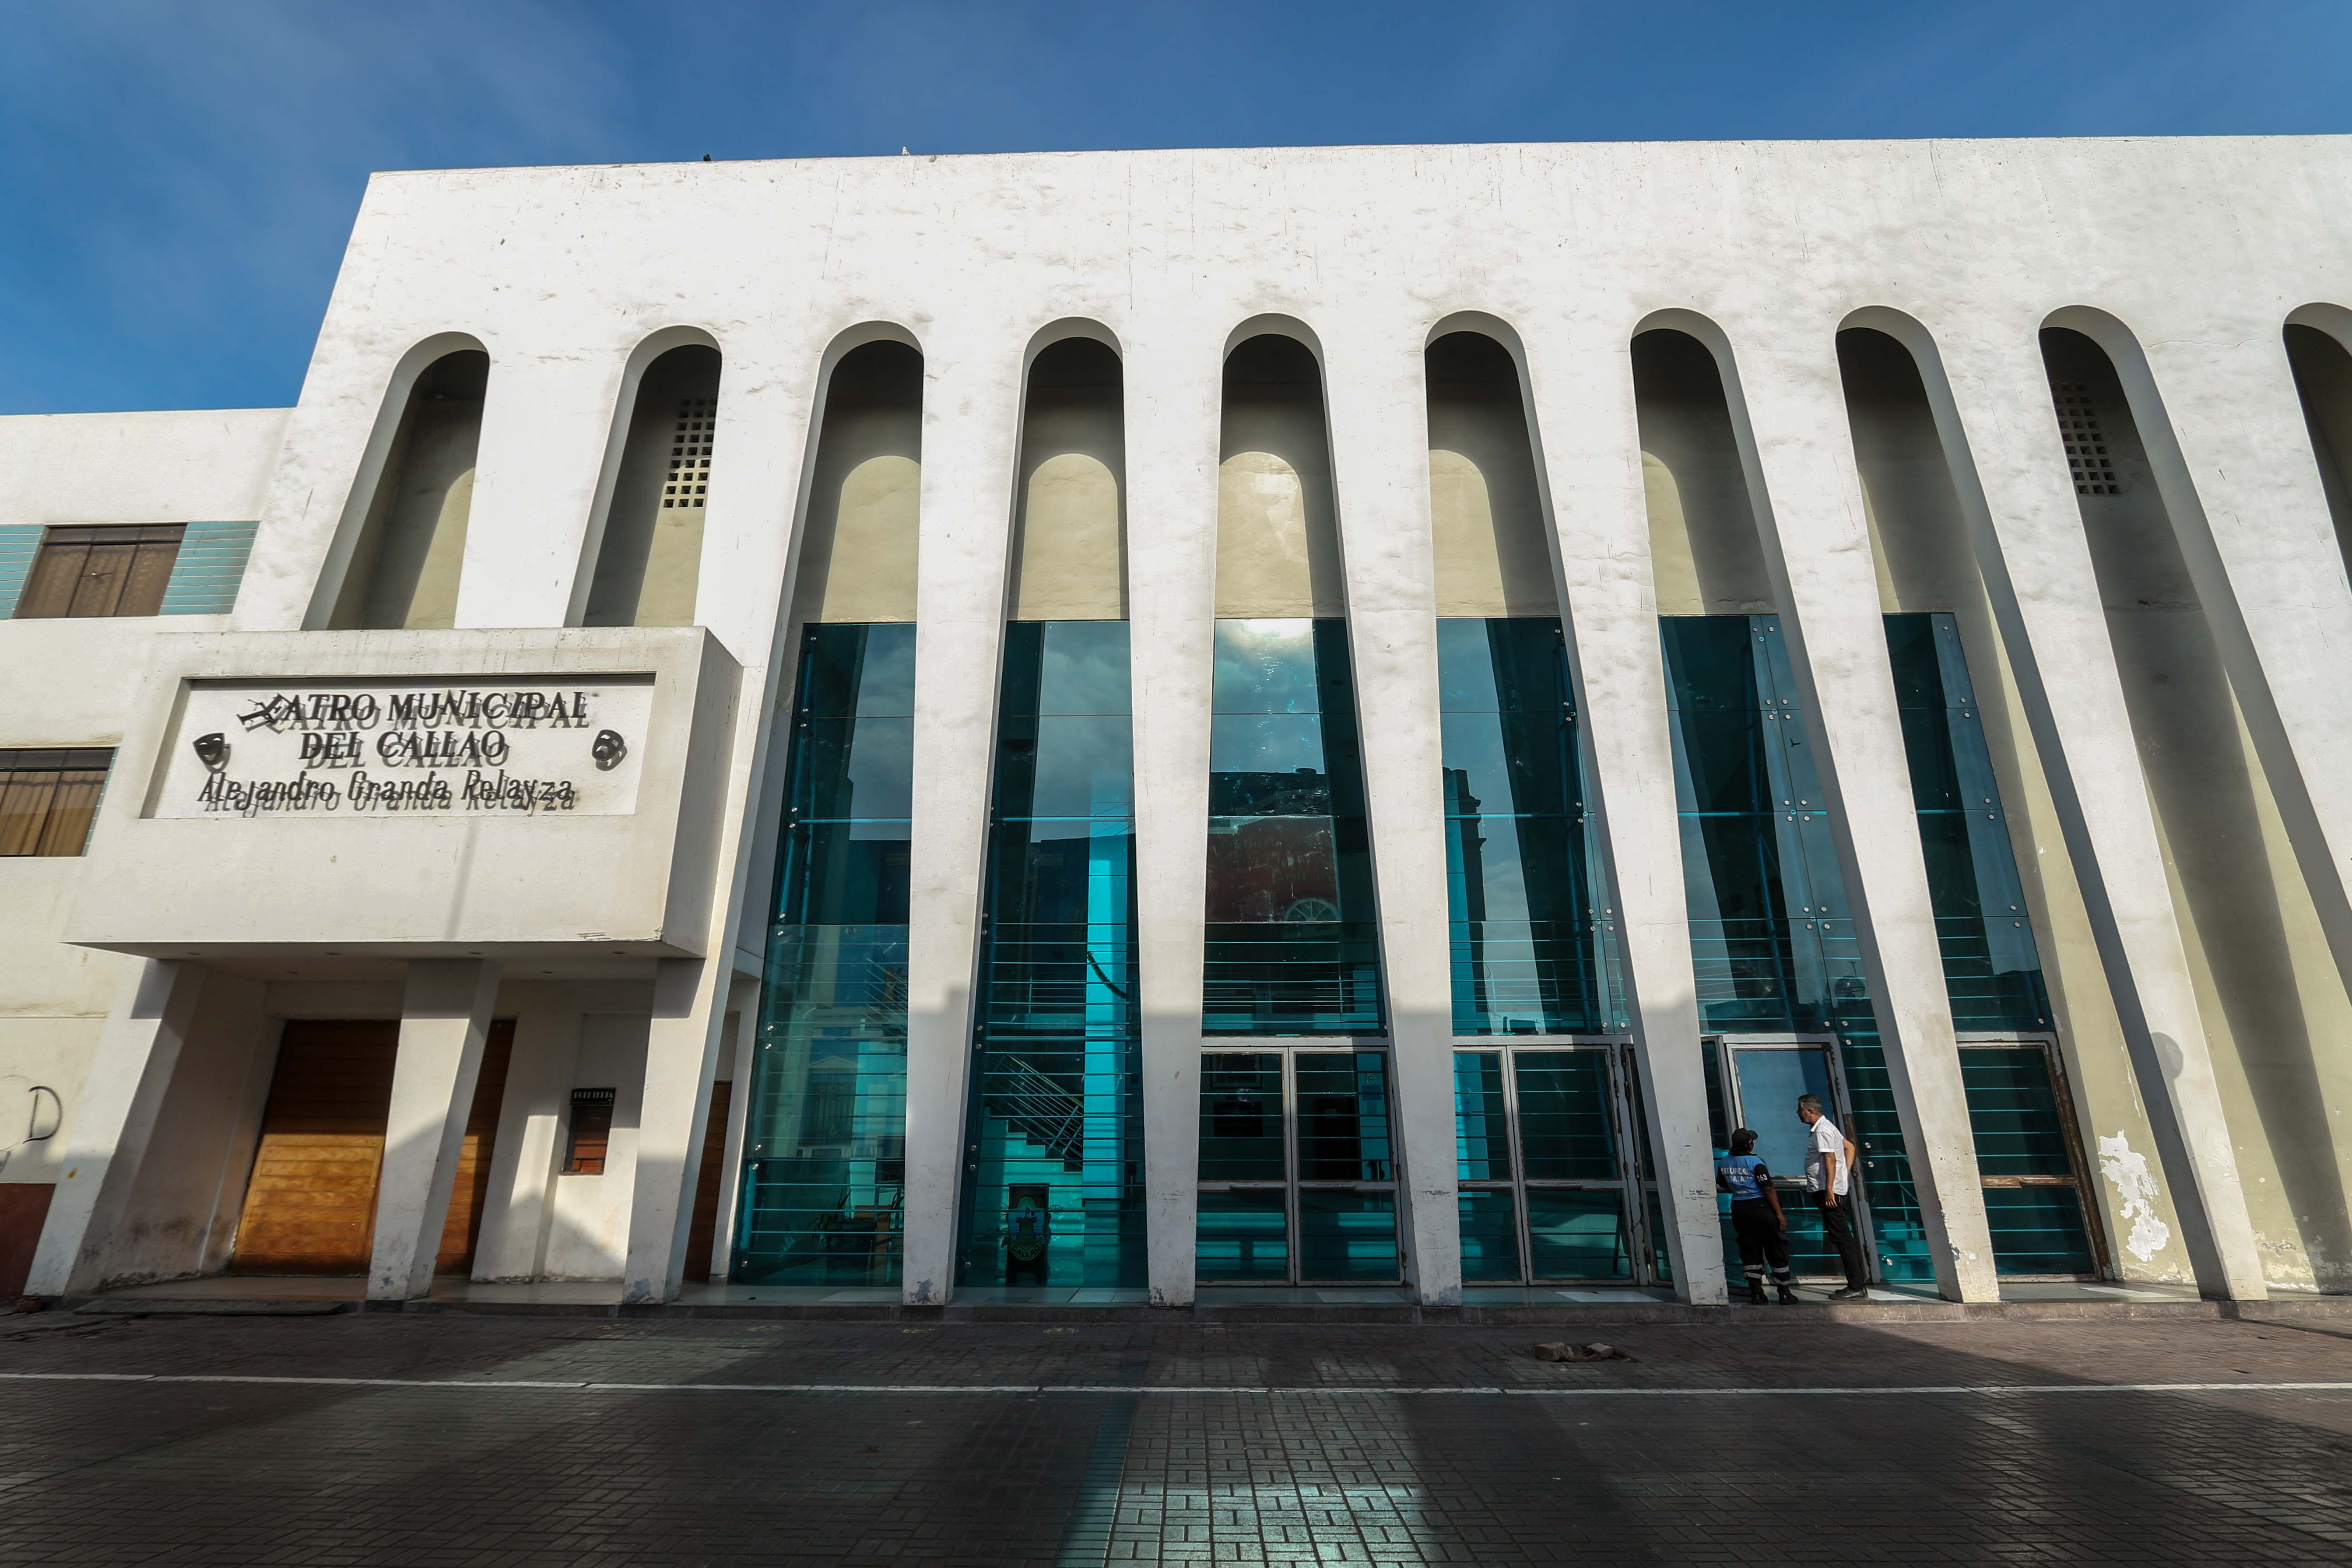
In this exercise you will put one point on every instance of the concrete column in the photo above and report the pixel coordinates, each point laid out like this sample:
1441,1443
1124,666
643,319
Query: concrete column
2224,429
1991,393
1788,409
445,1016
550,430
971,436
1587,445
744,1024
682,1048
747,579
1175,377
1380,463
529,1147
154,1007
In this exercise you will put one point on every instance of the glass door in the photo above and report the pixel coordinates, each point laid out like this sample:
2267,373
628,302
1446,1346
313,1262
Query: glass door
1548,1158
1760,1078
1297,1171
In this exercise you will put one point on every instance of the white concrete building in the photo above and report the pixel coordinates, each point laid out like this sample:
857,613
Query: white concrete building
919,729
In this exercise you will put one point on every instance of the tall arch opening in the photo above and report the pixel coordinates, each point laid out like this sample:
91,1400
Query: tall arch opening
2272,1001
1979,792
1783,995
650,555
824,1180
403,567
1532,937
1296,1172
2323,380
1053,1193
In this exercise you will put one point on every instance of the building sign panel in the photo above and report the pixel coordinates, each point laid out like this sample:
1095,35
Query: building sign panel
491,747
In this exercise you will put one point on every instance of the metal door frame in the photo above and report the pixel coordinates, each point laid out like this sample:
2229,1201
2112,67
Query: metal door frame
1727,1046
1626,1132
1291,1183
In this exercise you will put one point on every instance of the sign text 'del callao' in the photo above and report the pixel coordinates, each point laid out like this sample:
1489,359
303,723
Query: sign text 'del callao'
567,747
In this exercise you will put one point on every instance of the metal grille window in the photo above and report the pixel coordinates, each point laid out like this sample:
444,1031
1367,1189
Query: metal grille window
690,452
592,1132
2086,445
101,571
48,800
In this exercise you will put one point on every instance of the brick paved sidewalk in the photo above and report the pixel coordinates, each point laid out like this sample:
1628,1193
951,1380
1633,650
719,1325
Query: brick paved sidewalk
1353,1471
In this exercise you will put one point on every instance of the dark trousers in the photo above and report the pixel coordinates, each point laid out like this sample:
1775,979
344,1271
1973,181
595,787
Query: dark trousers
1761,1240
1837,1225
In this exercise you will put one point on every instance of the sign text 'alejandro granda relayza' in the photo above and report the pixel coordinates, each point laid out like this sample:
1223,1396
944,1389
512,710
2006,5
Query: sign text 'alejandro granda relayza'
508,747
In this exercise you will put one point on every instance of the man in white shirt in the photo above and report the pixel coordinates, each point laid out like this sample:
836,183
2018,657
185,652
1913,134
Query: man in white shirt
1829,1166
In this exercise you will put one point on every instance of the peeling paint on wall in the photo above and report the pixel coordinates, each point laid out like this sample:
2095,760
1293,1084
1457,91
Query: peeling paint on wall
2135,1196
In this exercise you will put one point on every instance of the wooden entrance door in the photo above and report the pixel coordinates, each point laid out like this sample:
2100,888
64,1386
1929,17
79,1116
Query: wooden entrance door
311,1205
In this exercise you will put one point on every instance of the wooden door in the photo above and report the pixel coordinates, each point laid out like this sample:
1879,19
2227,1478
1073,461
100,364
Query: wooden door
469,1194
311,1205
706,1184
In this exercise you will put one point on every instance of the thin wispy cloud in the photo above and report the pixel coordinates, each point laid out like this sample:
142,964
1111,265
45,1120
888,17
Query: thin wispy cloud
177,180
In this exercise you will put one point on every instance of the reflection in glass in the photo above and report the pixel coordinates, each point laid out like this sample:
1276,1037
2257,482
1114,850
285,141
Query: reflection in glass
1343,1116
2021,1136
1292,923
1533,949
1347,1238
1481,1147
1490,1236
1241,1118
1054,1193
1243,1235
1992,970
1772,938
1579,1233
824,1132
1566,1133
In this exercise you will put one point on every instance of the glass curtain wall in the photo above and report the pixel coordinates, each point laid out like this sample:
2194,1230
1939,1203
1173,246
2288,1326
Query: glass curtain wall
1292,942
1772,937
1992,970
824,1136
1054,1189
1534,944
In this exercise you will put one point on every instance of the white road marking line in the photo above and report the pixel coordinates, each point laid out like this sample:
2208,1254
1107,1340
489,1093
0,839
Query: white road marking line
1255,1390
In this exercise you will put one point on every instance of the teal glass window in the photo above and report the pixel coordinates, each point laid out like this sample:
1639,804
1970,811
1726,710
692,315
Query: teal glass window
1490,1236
1292,928
1343,1117
825,1138
1991,969
1482,1140
1773,939
1298,1169
1244,1237
1347,1238
1548,1180
1054,1193
1579,1233
1533,939
2026,1158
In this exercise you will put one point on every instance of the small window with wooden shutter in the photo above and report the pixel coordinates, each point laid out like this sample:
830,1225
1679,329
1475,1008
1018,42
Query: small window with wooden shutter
48,800
109,569
592,1132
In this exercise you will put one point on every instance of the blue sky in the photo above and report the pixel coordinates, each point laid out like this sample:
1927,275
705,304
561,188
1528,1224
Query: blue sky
177,180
